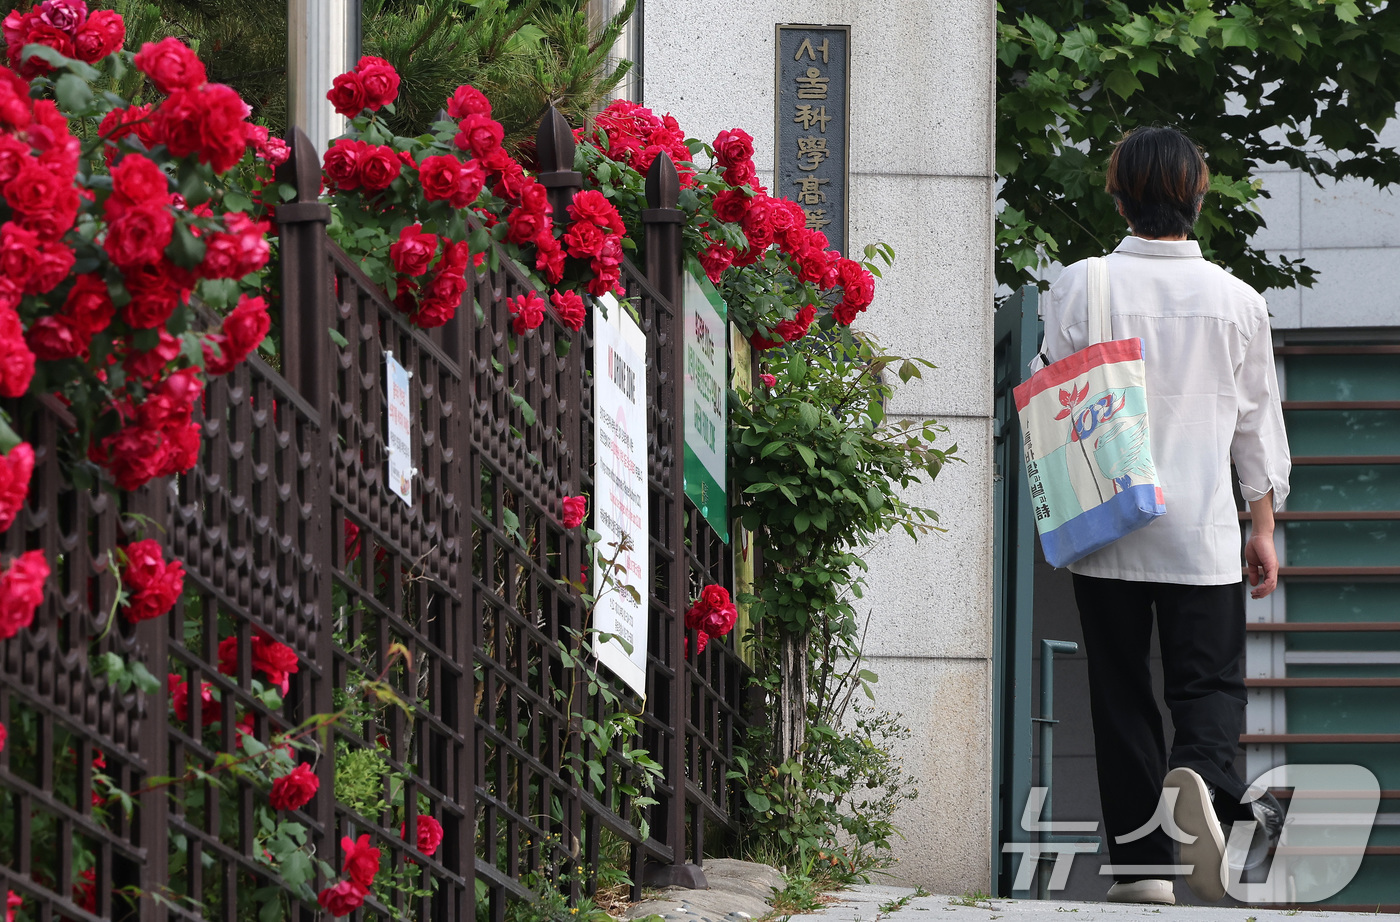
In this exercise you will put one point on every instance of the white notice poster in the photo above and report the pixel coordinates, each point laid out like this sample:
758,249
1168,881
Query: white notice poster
620,489
400,441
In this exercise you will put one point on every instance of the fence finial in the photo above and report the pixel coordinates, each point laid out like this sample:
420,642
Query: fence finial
663,185
303,167
554,143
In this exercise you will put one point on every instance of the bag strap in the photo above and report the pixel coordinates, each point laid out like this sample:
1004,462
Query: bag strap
1100,318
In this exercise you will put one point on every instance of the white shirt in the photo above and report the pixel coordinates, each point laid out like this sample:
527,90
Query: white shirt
1212,396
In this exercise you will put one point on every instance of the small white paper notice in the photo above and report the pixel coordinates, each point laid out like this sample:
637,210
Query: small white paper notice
400,429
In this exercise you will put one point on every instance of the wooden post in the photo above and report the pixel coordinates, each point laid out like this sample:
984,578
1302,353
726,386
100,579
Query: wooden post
554,147
663,266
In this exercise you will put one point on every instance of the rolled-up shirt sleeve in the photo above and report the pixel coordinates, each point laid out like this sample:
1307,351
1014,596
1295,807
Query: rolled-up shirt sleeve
1260,447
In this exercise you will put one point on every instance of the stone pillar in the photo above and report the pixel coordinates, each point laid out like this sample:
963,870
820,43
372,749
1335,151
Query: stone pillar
921,155
317,40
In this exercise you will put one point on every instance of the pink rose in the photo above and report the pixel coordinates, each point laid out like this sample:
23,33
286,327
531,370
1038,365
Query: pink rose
575,508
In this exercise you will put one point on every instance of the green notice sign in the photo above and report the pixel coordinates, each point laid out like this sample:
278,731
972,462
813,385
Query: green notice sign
706,390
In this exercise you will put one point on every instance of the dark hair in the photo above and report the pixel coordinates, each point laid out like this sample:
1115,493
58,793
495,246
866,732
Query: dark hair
1159,178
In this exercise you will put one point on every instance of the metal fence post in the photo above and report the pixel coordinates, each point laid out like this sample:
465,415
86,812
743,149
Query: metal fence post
307,314
554,148
1047,721
663,268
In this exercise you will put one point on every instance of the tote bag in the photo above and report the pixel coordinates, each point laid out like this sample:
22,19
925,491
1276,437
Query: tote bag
1087,443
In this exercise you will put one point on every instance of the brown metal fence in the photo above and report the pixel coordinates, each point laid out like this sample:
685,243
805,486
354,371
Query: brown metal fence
288,530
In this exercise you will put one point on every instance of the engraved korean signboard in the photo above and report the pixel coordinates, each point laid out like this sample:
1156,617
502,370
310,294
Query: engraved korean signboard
812,126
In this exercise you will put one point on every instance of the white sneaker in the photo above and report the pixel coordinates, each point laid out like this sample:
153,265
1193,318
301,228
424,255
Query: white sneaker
1195,816
1142,891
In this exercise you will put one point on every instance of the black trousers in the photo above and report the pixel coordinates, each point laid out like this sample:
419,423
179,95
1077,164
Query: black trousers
1201,633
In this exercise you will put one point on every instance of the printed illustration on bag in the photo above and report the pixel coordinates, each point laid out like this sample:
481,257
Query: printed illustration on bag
1118,442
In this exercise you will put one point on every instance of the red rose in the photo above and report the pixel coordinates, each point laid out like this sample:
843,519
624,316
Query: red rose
16,107
714,596
785,217
210,121
4,735
295,789
857,283
380,81
136,180
378,167
429,834
41,33
592,205
16,469
549,258
768,380
275,660
575,507
171,65
159,598
89,305
34,189
21,592
103,34
361,860
731,205
413,251
438,176
441,298
53,339
470,180
528,310
733,146
525,225
180,700
16,361
245,329
342,163
122,123
347,94
535,197
342,899
719,621
569,306
55,261
57,220
512,181
19,254
13,901
132,456
740,174
479,134
171,405
152,362
715,258
144,565
139,237
468,100
584,239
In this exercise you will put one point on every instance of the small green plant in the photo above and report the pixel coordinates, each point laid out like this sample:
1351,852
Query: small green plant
800,895
973,899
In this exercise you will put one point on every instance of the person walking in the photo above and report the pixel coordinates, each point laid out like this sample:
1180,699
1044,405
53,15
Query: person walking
1213,398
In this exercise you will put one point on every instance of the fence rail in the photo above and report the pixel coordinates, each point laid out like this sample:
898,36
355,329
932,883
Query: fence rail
288,531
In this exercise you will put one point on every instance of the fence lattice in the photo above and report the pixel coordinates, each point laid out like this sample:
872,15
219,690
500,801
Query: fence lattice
288,530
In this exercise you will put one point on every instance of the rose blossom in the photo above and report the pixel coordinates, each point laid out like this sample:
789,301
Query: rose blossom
592,205
171,65
528,310
733,146
479,134
378,167
438,175
53,339
342,163
380,81
714,259
210,120
768,380
16,361
13,903
103,34
16,469
180,700
428,833
361,860
156,585
342,899
584,239
569,306
4,735
468,100
347,94
16,108
575,507
295,789
21,592
413,251
139,237
65,15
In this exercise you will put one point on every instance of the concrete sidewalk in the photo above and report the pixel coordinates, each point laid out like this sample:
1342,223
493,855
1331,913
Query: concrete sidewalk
874,903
